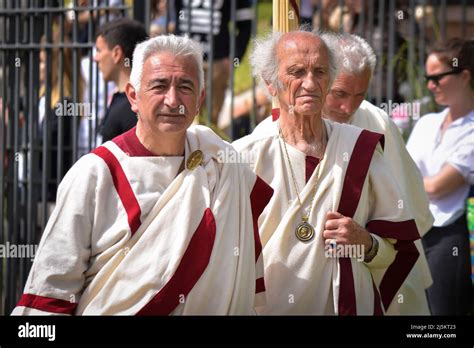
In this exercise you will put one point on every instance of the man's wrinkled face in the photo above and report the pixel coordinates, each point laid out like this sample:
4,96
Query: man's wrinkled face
347,93
169,96
303,73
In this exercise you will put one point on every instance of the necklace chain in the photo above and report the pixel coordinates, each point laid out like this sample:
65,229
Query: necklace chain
304,216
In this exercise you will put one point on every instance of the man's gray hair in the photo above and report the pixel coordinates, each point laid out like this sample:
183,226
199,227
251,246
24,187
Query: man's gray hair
264,62
177,45
354,53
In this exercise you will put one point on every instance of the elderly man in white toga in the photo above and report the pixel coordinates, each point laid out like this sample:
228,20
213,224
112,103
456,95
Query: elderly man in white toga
334,239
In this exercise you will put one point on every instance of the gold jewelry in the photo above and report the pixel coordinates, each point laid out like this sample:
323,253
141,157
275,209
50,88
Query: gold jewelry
304,231
194,159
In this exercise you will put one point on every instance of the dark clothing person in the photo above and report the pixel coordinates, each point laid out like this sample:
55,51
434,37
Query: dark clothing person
119,117
448,254
115,43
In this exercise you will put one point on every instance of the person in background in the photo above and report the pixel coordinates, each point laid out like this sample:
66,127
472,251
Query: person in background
115,42
94,93
442,146
198,26
345,104
59,116
306,12
161,17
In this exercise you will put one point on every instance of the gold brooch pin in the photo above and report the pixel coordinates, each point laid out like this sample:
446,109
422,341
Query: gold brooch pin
194,159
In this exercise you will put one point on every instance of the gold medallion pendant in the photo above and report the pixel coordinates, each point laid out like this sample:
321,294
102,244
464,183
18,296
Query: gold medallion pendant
304,231
195,159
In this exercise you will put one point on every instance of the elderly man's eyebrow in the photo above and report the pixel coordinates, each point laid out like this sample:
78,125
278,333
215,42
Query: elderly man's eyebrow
185,80
321,66
164,80
158,81
294,67
301,65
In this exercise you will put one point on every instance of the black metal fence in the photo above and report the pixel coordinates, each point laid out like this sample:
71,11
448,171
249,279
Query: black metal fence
41,39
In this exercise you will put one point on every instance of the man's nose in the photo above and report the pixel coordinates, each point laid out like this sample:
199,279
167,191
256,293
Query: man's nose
348,106
96,57
309,82
171,98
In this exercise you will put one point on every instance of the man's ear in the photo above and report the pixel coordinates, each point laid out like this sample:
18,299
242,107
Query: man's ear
271,89
132,96
117,54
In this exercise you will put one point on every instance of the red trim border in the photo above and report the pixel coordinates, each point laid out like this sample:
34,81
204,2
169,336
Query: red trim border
122,185
354,179
47,304
191,267
259,198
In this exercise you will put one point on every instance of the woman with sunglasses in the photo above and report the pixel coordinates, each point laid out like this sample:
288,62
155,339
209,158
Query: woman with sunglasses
442,145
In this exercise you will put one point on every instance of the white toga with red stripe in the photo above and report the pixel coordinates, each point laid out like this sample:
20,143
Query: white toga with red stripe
134,233
353,180
411,298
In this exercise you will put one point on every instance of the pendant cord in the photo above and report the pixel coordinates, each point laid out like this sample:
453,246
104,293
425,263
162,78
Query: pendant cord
303,216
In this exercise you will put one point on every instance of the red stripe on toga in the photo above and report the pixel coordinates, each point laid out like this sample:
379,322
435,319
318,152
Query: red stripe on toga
129,143
377,305
354,179
259,285
311,164
122,185
405,232
259,198
47,304
191,267
401,230
357,170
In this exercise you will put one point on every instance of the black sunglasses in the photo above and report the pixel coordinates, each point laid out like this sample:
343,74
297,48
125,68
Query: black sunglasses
436,78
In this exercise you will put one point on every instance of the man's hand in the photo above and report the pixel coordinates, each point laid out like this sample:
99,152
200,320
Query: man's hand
340,229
